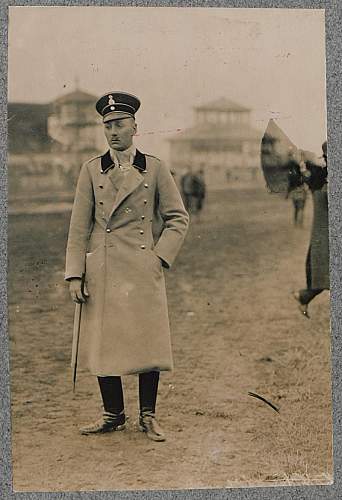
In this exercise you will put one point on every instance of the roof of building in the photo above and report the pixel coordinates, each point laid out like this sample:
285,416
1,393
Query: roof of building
27,128
207,132
222,104
76,96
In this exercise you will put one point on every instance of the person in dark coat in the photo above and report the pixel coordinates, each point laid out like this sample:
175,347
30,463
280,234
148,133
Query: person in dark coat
193,190
317,261
199,189
187,187
128,222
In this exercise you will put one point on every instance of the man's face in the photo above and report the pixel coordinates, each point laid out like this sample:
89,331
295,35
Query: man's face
119,133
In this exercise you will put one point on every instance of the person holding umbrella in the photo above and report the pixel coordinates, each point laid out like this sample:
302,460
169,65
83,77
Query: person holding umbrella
317,261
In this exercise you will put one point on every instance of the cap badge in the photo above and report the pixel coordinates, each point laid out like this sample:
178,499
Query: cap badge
110,100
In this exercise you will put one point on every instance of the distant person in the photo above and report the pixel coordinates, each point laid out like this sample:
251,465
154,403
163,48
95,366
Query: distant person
298,197
193,190
199,190
317,262
187,188
296,189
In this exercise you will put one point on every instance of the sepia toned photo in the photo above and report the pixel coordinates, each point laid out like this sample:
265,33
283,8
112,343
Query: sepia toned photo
168,284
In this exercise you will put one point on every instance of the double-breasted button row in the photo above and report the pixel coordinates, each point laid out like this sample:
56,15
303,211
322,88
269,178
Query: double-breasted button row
143,247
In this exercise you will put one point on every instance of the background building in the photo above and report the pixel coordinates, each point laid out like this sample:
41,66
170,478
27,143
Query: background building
74,123
222,143
47,143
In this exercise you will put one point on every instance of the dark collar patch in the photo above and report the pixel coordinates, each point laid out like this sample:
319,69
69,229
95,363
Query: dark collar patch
139,162
106,162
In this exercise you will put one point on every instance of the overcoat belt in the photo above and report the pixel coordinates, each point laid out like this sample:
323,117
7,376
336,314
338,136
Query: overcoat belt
120,238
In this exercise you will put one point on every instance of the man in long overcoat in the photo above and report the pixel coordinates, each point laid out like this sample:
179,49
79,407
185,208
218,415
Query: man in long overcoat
317,261
128,223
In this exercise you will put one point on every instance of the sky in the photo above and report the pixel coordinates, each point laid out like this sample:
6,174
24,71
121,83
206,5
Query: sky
271,60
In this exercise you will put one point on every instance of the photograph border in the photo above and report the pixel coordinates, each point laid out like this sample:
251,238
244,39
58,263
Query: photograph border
333,25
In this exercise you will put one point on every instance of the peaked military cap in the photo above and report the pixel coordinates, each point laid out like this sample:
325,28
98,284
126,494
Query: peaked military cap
116,105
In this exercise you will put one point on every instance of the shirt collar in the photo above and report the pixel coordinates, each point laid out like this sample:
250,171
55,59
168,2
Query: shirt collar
117,156
139,161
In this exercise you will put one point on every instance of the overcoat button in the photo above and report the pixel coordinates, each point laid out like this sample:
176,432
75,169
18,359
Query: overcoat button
108,230
101,202
146,185
141,231
145,201
100,186
143,217
142,247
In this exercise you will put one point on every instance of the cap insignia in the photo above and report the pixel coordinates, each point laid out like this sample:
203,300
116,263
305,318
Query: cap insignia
111,100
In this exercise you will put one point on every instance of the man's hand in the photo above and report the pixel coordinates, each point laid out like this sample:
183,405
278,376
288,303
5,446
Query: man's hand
77,294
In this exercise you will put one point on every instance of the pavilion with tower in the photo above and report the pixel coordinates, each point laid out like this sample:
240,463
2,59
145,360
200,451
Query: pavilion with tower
222,143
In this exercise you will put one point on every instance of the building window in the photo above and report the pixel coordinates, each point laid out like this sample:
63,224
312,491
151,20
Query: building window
223,117
200,117
68,112
212,117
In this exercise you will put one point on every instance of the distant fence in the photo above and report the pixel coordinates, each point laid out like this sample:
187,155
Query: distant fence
47,181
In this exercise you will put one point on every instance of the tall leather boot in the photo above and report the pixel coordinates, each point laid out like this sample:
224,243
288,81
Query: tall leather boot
113,417
148,388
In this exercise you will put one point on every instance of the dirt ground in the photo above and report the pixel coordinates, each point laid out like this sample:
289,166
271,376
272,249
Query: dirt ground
235,329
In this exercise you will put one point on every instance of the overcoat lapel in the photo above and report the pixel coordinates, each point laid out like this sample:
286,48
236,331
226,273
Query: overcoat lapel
132,180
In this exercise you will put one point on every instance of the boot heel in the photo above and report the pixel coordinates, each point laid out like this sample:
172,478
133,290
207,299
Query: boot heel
151,428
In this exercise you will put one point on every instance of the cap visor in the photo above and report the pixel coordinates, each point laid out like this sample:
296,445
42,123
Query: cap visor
116,115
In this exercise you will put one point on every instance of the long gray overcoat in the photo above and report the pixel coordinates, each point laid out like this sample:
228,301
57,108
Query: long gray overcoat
119,236
319,243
